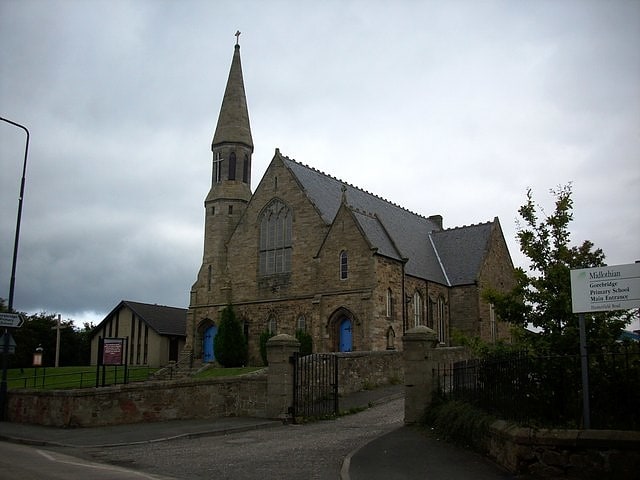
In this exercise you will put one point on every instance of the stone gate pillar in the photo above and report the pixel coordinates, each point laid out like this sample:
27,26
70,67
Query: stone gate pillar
419,345
280,374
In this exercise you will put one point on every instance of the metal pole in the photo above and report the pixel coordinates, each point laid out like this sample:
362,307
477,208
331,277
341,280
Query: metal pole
3,384
584,363
57,363
20,199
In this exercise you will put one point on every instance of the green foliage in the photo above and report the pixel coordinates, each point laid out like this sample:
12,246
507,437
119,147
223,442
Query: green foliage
264,338
542,296
458,422
229,343
306,342
50,378
39,330
481,348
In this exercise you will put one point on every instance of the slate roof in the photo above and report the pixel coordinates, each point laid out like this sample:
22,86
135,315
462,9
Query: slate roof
462,251
160,318
449,257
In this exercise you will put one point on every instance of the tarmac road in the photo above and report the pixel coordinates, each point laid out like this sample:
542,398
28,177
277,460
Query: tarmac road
373,445
33,463
288,452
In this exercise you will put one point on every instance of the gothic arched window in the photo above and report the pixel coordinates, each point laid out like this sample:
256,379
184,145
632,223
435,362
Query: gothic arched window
275,239
232,166
441,319
245,169
272,324
389,303
417,309
344,265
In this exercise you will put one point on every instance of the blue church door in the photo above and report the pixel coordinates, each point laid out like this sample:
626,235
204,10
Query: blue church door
207,344
346,337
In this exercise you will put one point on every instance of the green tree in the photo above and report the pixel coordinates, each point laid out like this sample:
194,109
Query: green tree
39,331
229,343
542,296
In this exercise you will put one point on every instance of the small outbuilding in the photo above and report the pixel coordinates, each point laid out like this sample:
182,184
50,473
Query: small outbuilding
155,333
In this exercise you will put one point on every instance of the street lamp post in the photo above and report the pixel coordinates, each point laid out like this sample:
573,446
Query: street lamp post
3,385
12,284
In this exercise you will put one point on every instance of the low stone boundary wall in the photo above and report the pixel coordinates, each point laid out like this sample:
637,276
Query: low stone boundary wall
584,454
152,401
366,370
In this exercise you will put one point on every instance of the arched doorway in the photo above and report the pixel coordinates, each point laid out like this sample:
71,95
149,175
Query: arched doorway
208,354
346,336
341,330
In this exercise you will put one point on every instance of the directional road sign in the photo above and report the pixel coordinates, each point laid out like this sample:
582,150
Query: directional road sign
11,320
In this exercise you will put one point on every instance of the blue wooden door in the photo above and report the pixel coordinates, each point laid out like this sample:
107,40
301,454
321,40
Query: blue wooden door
207,344
346,337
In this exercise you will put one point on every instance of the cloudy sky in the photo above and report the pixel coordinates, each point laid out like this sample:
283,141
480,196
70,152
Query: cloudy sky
444,107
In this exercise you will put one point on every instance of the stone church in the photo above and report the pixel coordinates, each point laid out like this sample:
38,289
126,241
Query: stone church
307,251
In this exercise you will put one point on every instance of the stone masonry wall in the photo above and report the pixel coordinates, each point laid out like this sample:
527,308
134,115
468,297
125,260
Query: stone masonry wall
366,370
559,454
133,403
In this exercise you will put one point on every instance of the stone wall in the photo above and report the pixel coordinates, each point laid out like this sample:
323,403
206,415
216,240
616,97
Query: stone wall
148,402
266,394
583,454
366,370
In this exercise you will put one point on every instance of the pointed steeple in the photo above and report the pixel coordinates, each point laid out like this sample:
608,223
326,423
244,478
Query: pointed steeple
233,121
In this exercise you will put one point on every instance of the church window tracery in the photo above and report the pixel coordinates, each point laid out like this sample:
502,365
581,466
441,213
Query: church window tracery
275,239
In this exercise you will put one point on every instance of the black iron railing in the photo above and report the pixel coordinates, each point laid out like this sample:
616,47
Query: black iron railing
547,390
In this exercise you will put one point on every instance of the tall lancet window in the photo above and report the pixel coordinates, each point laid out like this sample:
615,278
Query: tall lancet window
275,239
232,166
217,161
245,169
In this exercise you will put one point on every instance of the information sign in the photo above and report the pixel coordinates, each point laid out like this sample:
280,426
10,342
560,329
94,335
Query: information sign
113,351
601,289
11,320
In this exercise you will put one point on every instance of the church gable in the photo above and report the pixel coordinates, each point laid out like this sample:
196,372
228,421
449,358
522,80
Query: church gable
272,247
345,257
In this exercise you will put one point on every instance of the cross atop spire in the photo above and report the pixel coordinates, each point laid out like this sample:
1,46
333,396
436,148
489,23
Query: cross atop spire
237,34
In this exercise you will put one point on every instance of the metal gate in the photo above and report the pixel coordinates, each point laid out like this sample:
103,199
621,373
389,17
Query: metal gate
315,385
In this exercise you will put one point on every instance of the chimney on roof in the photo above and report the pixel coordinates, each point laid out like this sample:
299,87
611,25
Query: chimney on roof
437,219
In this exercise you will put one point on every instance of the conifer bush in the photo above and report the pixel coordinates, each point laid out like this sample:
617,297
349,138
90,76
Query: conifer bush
229,344
306,342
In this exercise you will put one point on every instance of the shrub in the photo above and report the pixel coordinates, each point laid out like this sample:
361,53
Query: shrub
230,346
459,422
306,342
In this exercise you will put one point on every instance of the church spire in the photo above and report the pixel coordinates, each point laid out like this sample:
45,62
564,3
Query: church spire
233,121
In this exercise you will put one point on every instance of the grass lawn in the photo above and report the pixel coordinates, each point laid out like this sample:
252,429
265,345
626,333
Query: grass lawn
226,372
50,378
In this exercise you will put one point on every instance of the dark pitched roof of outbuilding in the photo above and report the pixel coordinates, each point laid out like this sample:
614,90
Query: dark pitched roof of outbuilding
448,257
162,319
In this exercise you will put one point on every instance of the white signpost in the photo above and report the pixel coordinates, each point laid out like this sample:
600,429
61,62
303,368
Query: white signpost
601,289
11,320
